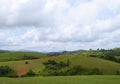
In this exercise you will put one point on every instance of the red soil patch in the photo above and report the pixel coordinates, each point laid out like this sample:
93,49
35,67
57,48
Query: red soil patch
22,71
55,57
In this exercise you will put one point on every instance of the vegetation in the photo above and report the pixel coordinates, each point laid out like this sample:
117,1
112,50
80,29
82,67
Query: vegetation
81,62
6,71
95,79
111,54
16,56
3,51
25,57
29,74
53,68
74,67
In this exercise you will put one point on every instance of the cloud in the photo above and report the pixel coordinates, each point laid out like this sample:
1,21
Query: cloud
46,25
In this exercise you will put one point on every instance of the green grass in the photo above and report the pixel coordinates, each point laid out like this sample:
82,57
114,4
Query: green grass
105,66
13,56
35,65
63,80
118,57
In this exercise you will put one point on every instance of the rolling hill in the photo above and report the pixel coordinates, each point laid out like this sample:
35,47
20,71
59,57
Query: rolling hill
105,66
14,56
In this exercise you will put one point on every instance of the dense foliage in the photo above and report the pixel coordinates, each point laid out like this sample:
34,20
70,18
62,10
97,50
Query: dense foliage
30,73
25,57
6,71
53,68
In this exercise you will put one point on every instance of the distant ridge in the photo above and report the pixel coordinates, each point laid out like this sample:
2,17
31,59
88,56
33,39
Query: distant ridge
4,51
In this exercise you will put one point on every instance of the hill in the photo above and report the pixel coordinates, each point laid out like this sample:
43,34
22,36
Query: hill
14,56
105,66
22,62
4,51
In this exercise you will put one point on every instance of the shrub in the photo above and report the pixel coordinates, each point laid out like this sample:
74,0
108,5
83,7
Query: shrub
6,71
29,57
53,68
26,62
94,71
29,74
117,72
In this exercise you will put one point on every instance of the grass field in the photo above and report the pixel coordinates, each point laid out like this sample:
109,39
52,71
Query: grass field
14,56
13,60
106,79
107,67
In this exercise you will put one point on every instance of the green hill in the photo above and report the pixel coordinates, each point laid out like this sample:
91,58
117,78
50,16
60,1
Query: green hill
104,60
13,56
105,66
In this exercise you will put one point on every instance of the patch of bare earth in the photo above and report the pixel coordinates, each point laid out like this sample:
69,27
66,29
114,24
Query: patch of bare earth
55,57
22,71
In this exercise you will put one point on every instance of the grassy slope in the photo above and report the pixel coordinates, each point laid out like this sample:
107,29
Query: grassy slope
15,61
63,80
18,55
107,67
35,65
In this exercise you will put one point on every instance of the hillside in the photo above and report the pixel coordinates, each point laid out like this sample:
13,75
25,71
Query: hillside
107,61
107,67
13,56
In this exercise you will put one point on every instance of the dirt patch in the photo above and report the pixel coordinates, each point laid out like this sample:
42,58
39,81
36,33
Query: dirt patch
55,57
22,71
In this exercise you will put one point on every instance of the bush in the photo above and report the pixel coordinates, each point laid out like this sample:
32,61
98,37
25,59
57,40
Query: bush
12,74
53,68
94,71
75,70
26,62
6,71
53,65
117,73
29,74
29,57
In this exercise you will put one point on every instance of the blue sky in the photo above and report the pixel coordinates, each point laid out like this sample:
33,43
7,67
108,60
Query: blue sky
55,25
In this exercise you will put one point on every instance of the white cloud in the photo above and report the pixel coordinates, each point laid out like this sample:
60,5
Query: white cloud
59,24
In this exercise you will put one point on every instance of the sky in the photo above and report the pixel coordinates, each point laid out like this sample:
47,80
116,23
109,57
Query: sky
57,25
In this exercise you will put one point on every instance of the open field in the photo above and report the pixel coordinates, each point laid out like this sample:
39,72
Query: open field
107,67
14,56
106,79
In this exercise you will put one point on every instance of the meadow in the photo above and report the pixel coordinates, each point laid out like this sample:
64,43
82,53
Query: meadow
106,79
16,62
105,66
